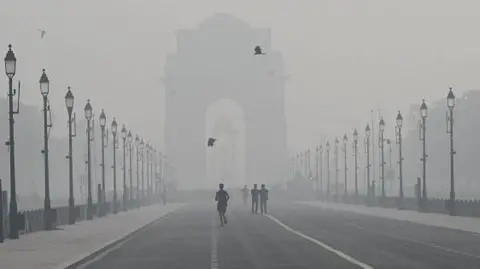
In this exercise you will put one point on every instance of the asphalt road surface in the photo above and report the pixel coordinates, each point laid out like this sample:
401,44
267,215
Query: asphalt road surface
292,236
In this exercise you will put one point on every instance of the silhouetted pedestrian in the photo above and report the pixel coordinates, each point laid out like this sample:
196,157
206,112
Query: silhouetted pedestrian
255,193
263,199
222,199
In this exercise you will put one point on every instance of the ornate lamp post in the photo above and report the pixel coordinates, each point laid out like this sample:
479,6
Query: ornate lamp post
451,105
69,102
381,125
142,146
137,144
327,146
336,167
123,132
88,116
103,123
355,154
321,167
130,147
44,90
367,151
423,113
345,141
115,145
400,158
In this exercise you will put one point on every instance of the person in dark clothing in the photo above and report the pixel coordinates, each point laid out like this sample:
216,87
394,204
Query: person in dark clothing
254,192
245,194
263,199
222,198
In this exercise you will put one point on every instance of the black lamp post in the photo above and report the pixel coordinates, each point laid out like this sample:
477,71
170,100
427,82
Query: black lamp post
147,154
327,146
381,128
336,167
400,158
124,138
103,123
130,146
355,155
115,145
345,141
142,145
423,113
10,69
321,167
69,102
317,173
88,116
44,90
367,151
451,105
137,144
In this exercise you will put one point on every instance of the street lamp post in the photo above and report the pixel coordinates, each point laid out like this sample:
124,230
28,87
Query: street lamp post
367,151
345,141
124,153
400,158
147,153
10,69
336,168
355,154
382,165
88,116
317,174
115,144
103,123
130,146
451,105
44,90
137,144
328,169
69,102
321,167
423,113
142,145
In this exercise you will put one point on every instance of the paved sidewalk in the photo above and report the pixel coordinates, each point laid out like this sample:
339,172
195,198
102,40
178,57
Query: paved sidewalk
61,248
467,224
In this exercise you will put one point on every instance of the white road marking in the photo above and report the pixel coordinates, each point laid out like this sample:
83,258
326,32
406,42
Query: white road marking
323,245
214,246
415,241
103,254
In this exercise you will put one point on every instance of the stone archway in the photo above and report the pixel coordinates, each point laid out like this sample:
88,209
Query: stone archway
216,61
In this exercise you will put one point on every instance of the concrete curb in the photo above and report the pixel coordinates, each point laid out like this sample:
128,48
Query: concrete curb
75,263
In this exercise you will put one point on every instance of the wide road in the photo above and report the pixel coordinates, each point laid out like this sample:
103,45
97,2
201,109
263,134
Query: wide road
292,236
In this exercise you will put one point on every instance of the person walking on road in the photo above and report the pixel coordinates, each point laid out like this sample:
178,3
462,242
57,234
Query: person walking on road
222,198
254,192
263,199
245,194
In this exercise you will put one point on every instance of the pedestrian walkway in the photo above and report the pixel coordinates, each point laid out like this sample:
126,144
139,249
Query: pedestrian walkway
467,224
71,243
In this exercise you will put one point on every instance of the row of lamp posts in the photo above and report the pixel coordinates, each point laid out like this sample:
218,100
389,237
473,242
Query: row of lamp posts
299,158
152,158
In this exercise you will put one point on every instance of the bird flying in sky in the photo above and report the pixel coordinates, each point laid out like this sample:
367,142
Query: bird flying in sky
258,51
42,33
211,141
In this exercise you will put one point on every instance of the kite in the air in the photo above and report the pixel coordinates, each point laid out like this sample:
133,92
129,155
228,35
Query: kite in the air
42,33
258,51
211,142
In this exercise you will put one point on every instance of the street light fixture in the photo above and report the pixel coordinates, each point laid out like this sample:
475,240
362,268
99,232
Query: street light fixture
44,90
355,154
115,144
400,157
345,141
321,168
451,105
130,146
124,138
423,113
382,165
137,144
327,146
69,102
336,167
103,123
367,151
10,70
88,117
142,146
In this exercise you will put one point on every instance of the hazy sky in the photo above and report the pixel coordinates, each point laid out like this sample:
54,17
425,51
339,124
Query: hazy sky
345,57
